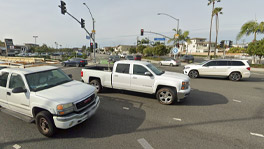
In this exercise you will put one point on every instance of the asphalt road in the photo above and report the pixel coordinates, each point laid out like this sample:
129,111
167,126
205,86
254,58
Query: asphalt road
218,114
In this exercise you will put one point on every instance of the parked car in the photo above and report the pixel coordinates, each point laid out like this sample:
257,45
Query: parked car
137,57
48,96
129,57
113,58
78,62
123,55
187,58
233,69
139,76
170,62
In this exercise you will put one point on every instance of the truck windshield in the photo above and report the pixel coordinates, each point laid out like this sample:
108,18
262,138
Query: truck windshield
46,79
155,69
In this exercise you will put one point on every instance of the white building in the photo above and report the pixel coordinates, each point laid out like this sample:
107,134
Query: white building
197,45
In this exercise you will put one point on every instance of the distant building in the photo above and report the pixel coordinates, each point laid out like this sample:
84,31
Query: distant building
124,48
197,45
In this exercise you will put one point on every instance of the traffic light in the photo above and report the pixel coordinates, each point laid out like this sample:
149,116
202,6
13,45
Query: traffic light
222,44
142,32
63,7
230,44
96,45
91,46
82,23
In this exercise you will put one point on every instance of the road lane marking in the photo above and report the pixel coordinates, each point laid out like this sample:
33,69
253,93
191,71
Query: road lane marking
257,134
16,146
125,108
144,144
236,100
177,119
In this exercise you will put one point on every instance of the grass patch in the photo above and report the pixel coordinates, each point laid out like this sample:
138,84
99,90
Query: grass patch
153,58
257,65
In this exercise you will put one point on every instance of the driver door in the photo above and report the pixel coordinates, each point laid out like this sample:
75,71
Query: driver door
18,102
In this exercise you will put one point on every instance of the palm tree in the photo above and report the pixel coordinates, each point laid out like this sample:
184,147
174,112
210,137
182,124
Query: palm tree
174,39
182,37
209,3
251,27
216,12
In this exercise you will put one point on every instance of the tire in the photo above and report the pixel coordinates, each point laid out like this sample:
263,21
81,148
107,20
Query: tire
77,65
160,64
45,123
193,74
166,96
171,65
96,83
235,76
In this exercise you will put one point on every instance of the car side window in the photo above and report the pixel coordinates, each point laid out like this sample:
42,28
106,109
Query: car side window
212,63
237,63
139,70
222,63
16,81
3,79
122,68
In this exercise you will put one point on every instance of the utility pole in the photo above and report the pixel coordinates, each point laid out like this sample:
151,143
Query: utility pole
35,39
93,32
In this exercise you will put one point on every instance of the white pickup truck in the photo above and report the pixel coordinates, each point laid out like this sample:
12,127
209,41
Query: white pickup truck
48,96
139,76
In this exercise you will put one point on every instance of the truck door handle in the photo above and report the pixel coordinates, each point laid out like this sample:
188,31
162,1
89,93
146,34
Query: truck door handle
134,77
8,93
115,75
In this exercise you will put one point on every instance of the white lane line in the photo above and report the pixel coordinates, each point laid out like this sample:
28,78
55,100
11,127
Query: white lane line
144,144
125,108
257,134
236,100
177,119
16,146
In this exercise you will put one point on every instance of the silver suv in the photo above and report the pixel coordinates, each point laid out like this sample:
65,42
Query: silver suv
233,69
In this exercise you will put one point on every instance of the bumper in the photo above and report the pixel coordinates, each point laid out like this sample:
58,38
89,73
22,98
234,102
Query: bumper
72,120
246,75
183,94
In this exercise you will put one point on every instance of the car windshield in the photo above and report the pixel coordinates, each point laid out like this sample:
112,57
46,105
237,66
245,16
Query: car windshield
46,79
155,69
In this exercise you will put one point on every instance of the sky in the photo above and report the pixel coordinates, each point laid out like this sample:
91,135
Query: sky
118,22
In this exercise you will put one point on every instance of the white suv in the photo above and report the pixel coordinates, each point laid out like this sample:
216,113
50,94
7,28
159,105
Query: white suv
233,69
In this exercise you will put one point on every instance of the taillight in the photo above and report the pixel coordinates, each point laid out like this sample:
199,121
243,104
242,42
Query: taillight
248,68
81,73
82,61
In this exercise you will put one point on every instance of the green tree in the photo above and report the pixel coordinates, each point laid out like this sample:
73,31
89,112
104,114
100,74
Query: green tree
236,50
160,50
175,39
148,51
140,48
251,27
256,48
132,50
212,16
2,44
83,48
216,12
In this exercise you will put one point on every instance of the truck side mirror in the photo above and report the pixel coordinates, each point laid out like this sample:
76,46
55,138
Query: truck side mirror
148,74
19,90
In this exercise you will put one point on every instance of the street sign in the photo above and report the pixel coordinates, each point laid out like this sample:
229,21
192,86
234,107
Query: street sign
159,39
87,37
176,35
175,50
93,31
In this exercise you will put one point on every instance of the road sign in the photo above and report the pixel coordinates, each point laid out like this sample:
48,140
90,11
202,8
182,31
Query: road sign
93,31
175,50
159,39
176,35
87,37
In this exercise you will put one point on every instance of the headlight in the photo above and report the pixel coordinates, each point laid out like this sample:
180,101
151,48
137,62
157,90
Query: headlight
63,109
185,85
186,67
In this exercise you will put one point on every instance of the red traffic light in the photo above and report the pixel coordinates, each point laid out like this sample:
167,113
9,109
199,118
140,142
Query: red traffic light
142,32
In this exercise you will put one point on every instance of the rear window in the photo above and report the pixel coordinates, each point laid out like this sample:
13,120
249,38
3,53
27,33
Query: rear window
236,63
122,68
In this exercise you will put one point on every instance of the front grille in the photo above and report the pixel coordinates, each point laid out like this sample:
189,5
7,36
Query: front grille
85,102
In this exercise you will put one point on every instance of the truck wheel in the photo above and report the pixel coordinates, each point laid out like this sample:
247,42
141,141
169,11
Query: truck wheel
96,83
193,74
45,123
235,76
166,95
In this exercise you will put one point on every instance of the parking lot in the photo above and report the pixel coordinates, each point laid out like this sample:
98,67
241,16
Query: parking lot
218,113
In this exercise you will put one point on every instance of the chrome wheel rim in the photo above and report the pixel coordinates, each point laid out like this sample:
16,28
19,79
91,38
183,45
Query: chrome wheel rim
235,76
44,125
193,74
165,97
96,85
